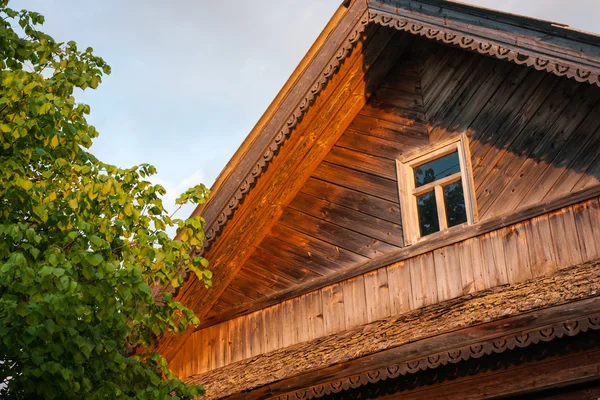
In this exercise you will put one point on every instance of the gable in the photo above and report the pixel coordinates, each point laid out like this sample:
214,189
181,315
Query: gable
326,202
527,133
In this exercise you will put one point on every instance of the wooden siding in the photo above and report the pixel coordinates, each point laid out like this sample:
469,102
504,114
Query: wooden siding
533,137
530,249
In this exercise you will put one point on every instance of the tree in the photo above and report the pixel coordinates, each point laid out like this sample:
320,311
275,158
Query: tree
81,241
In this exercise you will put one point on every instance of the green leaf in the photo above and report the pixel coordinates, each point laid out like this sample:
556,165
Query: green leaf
94,259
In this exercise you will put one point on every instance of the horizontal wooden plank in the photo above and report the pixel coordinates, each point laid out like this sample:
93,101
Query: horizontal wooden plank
362,202
334,234
346,217
386,189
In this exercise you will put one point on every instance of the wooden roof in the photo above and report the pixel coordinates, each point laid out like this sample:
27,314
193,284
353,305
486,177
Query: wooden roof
284,173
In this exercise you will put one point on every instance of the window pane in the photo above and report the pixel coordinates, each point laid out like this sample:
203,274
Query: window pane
454,199
437,169
428,216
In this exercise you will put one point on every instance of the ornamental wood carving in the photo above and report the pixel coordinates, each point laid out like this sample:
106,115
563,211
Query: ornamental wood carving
498,345
518,56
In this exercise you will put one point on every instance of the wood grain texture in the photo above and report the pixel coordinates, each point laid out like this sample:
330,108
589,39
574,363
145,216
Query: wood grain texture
510,255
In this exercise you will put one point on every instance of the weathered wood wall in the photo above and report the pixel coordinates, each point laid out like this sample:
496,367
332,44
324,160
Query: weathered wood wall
522,251
533,137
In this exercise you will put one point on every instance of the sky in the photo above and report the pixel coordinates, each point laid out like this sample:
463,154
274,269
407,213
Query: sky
190,78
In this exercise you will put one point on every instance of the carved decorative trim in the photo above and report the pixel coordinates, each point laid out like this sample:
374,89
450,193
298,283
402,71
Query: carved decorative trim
292,122
498,345
502,51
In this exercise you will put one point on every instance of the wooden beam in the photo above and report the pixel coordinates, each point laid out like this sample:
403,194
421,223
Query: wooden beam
427,244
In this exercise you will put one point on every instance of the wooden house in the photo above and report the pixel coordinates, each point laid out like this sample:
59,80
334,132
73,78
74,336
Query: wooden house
415,216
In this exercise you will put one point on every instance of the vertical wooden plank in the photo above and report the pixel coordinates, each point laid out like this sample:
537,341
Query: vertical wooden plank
236,339
300,319
287,323
472,258
272,321
587,221
315,314
494,264
254,335
377,294
400,288
333,309
221,348
355,304
211,340
564,233
204,351
541,247
516,253
447,273
463,253
423,282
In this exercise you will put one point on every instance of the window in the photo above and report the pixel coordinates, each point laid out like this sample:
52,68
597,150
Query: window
436,189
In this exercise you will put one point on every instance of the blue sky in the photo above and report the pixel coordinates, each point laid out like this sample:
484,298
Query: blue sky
191,77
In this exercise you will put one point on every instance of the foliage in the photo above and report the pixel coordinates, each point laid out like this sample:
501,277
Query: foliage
81,241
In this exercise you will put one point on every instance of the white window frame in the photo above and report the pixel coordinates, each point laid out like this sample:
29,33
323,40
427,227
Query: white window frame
408,193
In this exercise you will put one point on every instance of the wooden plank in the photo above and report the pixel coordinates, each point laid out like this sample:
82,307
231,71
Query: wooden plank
469,258
300,319
236,339
287,322
564,234
423,281
270,267
375,146
311,251
396,115
362,202
516,253
461,79
333,309
541,249
315,322
494,263
334,234
272,321
469,109
382,126
501,109
367,225
298,267
218,333
574,172
408,101
382,167
355,304
377,294
516,151
400,288
545,148
520,109
467,233
587,221
568,154
361,181
447,273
